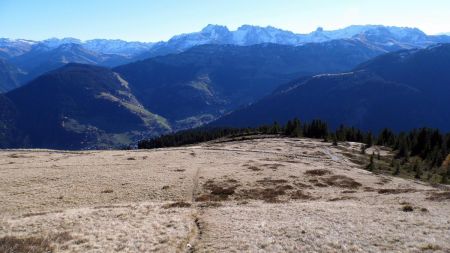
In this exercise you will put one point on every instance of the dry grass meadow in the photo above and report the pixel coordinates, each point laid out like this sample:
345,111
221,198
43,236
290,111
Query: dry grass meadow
260,195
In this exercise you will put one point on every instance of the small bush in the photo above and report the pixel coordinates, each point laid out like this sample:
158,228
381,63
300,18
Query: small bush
407,208
254,168
342,181
179,204
269,181
13,244
395,191
317,172
439,196
268,194
300,195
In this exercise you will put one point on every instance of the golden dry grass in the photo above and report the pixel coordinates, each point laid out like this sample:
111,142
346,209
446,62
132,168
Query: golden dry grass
303,196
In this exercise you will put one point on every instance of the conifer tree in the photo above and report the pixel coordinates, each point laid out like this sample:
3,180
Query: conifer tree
363,149
335,140
369,140
397,169
275,128
371,165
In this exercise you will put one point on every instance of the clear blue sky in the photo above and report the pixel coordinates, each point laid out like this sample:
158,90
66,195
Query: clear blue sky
154,20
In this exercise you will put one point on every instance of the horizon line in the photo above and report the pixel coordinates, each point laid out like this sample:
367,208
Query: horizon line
225,26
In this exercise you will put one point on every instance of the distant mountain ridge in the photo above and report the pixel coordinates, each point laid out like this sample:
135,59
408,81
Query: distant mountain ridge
244,36
10,76
78,106
43,59
387,37
84,106
34,58
401,90
208,80
104,46
376,75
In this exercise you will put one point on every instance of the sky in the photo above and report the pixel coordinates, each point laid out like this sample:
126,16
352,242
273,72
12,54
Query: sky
155,20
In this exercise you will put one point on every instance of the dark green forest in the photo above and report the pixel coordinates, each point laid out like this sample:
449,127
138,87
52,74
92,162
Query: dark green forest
420,153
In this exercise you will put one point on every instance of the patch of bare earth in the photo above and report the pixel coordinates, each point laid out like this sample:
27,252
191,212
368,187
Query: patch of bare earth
252,195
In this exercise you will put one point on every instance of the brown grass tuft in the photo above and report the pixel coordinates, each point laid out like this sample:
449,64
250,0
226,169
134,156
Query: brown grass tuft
430,247
267,194
12,244
317,172
369,189
61,237
342,181
407,208
439,196
302,185
300,195
210,204
274,166
222,191
342,198
179,204
395,191
217,191
269,181
254,168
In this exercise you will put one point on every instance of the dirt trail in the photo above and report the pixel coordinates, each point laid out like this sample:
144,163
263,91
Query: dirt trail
195,185
331,154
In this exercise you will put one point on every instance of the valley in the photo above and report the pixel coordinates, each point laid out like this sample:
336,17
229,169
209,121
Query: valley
109,94
254,195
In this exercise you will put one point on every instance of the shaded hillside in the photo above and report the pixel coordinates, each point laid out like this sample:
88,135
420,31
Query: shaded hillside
401,90
206,81
82,106
42,58
10,76
9,133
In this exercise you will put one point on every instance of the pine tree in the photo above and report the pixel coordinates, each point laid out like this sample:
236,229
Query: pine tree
296,128
275,128
403,149
369,140
444,179
419,173
392,163
397,169
363,149
371,165
288,129
335,140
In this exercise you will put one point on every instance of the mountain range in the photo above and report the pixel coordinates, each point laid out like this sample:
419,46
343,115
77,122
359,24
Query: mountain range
70,94
78,106
95,107
401,90
33,58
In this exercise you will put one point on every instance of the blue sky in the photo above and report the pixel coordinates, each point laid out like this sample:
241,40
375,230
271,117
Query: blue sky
154,20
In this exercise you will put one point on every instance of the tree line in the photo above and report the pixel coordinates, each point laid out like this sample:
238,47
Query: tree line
428,145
